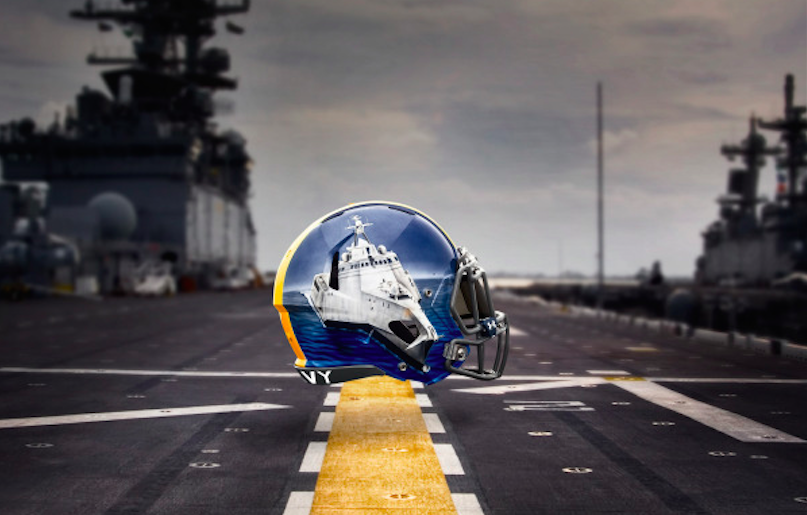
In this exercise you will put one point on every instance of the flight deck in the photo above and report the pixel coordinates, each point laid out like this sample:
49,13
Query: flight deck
190,405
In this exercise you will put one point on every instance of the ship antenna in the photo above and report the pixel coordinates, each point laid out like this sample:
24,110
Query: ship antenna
358,230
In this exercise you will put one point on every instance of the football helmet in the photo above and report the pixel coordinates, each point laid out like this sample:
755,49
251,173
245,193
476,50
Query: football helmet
378,288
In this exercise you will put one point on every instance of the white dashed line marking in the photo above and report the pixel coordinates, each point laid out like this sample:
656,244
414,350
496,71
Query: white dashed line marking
314,456
467,504
433,424
324,422
332,399
449,461
299,503
423,400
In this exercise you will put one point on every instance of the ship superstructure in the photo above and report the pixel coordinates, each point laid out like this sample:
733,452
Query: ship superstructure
368,287
172,186
757,241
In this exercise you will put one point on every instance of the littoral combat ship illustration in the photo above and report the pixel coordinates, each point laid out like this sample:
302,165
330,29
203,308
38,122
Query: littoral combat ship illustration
141,174
368,287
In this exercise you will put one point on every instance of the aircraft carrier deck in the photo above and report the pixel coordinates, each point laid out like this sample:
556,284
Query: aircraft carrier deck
189,405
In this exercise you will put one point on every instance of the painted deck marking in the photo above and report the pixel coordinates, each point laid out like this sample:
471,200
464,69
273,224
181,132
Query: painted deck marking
423,400
332,399
529,387
314,455
608,372
299,503
467,504
547,406
731,424
449,461
515,331
112,416
433,424
324,422
125,372
359,476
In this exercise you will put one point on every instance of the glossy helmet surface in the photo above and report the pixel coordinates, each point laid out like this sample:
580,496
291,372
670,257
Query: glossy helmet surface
379,288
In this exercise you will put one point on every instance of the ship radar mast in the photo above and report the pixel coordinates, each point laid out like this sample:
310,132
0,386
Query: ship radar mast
169,59
743,182
358,230
793,129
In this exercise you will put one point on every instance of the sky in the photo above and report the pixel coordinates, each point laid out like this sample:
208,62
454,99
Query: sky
480,113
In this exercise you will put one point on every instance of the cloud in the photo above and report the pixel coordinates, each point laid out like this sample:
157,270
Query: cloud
614,141
480,113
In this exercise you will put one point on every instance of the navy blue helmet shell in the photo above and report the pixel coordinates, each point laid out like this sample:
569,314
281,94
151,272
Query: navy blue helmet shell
375,288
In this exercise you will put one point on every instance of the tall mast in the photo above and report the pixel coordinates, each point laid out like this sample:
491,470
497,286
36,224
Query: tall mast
752,150
793,129
600,204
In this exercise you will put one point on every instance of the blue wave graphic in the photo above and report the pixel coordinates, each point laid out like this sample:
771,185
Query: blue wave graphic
333,346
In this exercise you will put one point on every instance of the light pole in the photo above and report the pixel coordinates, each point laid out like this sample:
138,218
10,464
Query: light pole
600,204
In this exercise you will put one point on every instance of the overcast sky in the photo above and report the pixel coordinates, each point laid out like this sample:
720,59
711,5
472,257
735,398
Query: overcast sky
480,113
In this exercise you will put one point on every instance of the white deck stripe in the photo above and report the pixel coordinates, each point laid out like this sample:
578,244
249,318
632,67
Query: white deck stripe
736,426
433,424
729,380
608,372
325,422
133,415
314,456
300,503
740,380
449,461
417,385
467,504
529,387
423,400
125,372
332,398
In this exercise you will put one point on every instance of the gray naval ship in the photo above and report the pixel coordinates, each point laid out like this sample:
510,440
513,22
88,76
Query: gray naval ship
757,241
138,176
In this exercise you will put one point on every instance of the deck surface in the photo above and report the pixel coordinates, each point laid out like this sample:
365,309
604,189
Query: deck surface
189,405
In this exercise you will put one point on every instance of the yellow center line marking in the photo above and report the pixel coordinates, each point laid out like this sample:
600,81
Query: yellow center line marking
380,457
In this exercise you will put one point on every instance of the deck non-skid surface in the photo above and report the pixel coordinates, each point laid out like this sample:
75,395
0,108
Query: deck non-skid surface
189,405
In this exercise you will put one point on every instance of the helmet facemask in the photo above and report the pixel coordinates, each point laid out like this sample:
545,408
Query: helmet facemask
472,310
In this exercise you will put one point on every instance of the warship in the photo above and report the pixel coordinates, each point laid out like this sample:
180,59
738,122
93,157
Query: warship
751,276
368,287
140,175
757,242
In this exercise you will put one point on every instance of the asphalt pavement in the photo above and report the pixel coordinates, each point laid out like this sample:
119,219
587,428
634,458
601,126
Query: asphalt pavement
189,405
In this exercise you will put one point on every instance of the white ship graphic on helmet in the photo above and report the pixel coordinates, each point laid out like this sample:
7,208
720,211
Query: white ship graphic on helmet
368,287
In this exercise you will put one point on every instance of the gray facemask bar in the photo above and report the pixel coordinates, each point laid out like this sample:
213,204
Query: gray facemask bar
472,310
